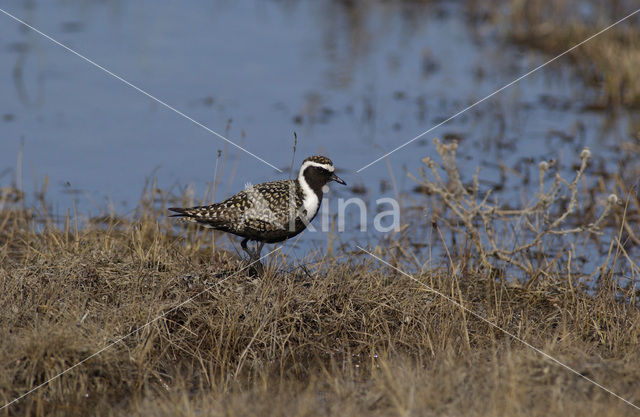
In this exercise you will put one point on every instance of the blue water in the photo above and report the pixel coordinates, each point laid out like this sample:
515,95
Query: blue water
353,84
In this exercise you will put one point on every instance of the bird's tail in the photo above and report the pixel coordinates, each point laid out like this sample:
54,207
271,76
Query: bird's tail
193,215
182,212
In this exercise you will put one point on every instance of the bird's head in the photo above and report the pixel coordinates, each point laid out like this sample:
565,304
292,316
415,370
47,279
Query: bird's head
318,171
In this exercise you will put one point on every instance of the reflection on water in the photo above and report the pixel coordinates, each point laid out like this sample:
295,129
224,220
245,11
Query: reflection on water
353,82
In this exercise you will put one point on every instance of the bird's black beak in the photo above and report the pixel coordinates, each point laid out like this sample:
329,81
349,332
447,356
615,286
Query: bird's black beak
337,179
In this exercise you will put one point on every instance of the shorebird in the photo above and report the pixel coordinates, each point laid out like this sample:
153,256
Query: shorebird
269,212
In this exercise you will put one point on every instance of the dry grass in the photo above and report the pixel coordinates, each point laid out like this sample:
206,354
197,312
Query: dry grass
342,336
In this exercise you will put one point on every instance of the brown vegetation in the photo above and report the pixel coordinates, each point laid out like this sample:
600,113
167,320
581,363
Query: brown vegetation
339,336
608,62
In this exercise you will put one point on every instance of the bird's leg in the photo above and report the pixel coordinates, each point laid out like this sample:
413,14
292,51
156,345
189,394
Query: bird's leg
258,264
259,246
246,249
254,257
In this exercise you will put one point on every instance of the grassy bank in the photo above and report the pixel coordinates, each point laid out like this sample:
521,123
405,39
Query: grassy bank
608,62
341,336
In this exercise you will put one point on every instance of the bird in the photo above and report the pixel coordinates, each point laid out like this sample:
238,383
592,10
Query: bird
269,212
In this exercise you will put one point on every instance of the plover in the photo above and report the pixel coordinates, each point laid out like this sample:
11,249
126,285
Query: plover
269,212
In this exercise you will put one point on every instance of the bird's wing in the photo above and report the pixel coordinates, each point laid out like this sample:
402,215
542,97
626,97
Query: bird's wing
265,206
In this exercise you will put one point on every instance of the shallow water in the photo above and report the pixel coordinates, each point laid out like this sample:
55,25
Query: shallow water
353,84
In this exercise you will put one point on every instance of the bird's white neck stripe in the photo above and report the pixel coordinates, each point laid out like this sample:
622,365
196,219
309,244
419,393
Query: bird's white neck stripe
310,200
